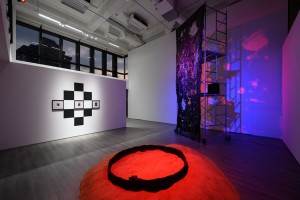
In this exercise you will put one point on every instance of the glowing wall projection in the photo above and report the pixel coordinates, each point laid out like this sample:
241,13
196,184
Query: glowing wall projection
188,73
254,74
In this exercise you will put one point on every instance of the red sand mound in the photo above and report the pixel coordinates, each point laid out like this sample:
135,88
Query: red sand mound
203,181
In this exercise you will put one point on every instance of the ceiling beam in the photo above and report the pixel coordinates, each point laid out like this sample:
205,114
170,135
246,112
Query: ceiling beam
109,8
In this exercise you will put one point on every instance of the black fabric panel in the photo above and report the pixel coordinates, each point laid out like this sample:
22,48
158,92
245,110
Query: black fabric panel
78,121
68,95
78,86
87,112
69,113
87,96
188,75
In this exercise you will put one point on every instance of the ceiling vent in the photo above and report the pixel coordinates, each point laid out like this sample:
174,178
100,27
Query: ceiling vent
78,5
136,23
168,9
113,33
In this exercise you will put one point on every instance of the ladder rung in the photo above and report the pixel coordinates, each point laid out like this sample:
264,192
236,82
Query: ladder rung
221,32
221,22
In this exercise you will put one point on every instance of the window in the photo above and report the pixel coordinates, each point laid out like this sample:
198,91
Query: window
69,54
50,50
126,67
41,46
85,58
109,65
98,62
120,67
27,44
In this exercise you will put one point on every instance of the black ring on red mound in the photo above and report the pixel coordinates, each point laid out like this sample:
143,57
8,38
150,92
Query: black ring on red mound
153,185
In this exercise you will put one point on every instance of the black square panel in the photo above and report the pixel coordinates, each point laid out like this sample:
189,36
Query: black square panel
87,96
78,121
68,95
69,113
87,112
78,86
213,88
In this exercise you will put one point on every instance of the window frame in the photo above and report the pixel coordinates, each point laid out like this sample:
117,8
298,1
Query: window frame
42,57
38,31
90,57
62,60
94,66
77,63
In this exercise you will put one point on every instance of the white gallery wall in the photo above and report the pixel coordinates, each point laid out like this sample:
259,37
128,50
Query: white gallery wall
257,30
290,83
152,78
27,92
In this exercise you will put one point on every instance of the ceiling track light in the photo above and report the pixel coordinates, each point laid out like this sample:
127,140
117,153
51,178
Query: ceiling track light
50,19
70,27
113,45
75,29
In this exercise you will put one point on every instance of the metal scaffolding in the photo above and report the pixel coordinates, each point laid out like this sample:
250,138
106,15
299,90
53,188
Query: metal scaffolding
213,79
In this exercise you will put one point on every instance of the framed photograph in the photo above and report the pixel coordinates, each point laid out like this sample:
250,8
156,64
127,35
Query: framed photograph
57,104
78,104
96,104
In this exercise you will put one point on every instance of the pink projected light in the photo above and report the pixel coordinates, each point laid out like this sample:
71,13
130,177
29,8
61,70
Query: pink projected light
228,66
241,90
256,41
254,83
256,100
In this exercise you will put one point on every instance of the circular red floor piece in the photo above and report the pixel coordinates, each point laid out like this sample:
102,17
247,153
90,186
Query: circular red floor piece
203,181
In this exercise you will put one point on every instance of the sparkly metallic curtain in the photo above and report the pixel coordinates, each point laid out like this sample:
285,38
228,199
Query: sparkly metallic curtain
188,74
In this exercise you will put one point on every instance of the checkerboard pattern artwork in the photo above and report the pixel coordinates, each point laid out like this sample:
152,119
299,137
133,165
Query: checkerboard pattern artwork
76,104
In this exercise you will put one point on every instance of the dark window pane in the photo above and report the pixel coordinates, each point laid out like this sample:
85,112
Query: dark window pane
120,65
84,55
108,73
27,44
109,62
69,51
98,71
98,59
50,62
121,76
50,49
84,69
69,66
126,65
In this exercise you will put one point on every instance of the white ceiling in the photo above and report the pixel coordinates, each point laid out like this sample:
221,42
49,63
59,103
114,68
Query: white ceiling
104,16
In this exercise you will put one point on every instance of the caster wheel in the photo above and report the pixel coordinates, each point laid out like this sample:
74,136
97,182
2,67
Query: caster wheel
227,137
204,140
